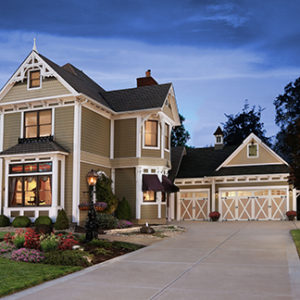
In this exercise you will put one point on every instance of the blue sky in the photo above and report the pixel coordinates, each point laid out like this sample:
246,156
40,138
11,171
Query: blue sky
216,53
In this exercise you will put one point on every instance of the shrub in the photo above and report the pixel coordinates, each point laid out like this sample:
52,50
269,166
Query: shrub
43,220
5,248
102,251
27,255
214,215
67,258
43,229
67,242
21,221
62,221
126,246
4,221
123,211
18,238
49,242
124,224
106,221
32,239
101,243
8,238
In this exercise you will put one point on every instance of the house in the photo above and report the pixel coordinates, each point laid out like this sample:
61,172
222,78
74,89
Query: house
56,124
243,182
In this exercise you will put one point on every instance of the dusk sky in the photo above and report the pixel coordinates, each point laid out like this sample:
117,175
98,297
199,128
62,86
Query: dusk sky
216,53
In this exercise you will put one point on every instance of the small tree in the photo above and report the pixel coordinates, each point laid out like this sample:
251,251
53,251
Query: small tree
104,193
123,211
62,221
179,135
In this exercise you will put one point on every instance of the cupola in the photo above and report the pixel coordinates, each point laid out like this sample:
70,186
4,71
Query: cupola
219,142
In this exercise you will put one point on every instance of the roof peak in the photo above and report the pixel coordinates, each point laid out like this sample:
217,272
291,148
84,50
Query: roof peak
34,45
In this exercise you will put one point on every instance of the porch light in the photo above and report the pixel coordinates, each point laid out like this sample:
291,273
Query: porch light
92,177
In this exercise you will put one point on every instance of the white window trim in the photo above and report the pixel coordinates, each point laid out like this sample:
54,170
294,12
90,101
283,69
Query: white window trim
170,130
28,80
221,139
256,144
158,136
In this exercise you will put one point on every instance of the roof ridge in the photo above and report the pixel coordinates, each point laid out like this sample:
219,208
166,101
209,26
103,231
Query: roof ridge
140,87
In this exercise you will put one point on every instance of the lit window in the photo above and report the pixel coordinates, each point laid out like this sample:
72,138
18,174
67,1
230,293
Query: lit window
149,196
252,150
34,79
151,133
167,136
38,123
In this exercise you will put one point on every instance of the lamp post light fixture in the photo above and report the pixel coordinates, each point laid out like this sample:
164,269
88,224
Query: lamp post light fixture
91,225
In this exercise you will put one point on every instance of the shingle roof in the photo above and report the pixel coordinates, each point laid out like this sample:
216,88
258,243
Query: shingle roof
254,170
34,146
144,97
177,154
200,162
218,131
139,98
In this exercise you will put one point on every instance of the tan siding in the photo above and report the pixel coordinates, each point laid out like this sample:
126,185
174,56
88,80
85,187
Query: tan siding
84,196
128,162
12,128
95,159
125,138
69,185
163,211
167,109
151,153
125,186
95,133
64,126
264,157
50,87
149,211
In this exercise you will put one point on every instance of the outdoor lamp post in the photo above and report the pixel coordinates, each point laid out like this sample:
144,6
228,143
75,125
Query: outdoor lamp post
91,225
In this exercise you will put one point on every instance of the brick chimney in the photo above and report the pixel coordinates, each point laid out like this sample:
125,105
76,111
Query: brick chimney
147,80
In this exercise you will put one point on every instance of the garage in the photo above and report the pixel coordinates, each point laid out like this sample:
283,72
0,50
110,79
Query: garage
253,204
194,205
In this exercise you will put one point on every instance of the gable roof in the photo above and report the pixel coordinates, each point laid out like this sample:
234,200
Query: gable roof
200,162
177,154
253,170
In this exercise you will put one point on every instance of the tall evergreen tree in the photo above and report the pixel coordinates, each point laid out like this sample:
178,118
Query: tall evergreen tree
239,126
179,135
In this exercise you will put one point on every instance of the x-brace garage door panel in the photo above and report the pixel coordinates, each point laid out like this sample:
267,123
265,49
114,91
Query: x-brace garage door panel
251,204
194,205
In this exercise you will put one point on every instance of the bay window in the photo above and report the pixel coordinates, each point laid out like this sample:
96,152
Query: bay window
149,196
167,137
151,133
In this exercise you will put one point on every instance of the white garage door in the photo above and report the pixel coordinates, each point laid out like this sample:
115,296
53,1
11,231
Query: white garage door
252,204
194,205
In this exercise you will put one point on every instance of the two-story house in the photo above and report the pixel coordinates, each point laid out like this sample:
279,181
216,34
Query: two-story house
56,124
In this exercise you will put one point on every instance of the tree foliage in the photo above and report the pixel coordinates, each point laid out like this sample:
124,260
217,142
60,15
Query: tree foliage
239,126
179,135
287,108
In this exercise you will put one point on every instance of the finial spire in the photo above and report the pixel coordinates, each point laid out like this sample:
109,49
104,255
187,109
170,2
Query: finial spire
34,45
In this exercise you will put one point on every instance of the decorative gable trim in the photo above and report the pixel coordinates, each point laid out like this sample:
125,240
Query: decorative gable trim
174,107
34,61
259,142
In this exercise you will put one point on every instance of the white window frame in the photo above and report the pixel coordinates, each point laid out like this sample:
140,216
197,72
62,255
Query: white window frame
28,80
254,144
170,129
158,136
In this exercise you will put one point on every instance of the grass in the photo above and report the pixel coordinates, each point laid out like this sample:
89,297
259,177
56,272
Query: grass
15,276
296,237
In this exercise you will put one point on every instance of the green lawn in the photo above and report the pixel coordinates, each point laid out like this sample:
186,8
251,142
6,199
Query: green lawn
16,276
296,237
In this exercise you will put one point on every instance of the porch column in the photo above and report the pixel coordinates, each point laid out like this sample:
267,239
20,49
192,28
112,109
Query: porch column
178,207
213,195
1,159
171,212
62,182
139,192
294,199
53,209
5,208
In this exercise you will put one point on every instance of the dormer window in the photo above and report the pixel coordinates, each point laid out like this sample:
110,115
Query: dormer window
151,133
38,123
34,80
252,150
218,139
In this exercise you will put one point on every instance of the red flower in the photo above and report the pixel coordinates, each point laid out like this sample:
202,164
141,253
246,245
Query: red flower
32,239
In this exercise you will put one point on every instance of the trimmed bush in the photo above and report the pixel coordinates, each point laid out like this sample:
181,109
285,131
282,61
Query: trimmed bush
67,258
43,220
123,211
106,221
62,221
21,221
4,221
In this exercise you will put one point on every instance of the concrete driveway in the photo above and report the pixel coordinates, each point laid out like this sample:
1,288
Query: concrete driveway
231,260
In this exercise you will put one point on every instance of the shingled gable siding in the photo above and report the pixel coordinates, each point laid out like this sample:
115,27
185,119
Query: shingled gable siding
12,129
264,157
84,196
167,109
95,133
125,186
63,134
125,138
50,87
